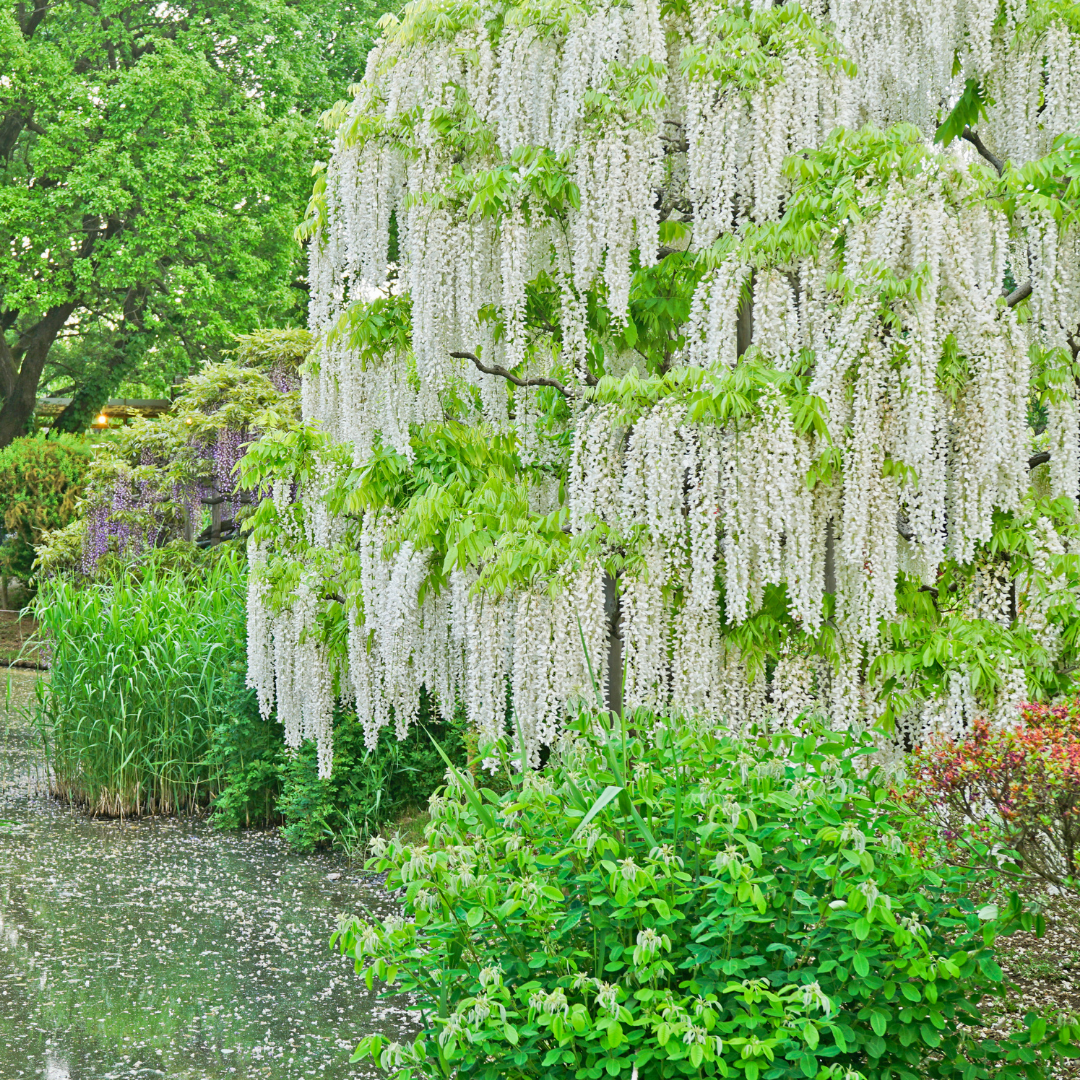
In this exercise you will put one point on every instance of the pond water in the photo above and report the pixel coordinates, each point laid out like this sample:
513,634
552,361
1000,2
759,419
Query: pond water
163,948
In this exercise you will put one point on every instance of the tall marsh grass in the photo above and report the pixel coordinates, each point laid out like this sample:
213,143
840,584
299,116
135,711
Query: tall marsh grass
138,672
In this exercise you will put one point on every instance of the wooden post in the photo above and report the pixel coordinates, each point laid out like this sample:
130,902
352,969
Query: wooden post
214,501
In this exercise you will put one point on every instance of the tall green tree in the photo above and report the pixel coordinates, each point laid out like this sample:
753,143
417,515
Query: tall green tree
153,162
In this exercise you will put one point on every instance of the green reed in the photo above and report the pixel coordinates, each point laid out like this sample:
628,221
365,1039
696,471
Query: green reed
138,672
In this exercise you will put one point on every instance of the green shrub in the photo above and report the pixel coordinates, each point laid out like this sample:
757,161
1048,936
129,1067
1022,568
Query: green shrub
263,783
247,755
690,906
40,483
140,670
367,789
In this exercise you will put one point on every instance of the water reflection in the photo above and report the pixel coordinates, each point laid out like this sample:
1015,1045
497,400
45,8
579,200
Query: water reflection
164,949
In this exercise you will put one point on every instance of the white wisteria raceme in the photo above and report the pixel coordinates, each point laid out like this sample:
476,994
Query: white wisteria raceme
620,297
534,90
774,528
1024,56
260,644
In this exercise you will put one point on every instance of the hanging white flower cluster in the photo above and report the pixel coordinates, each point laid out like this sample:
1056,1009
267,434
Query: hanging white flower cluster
353,402
511,154
941,464
1023,54
992,594
558,657
1053,257
922,470
1043,587
776,529
949,716
1013,694
719,505
533,90
736,146
300,681
260,643
289,665
548,648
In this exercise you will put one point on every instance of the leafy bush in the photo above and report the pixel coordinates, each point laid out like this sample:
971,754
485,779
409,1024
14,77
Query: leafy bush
367,788
685,905
1008,789
40,483
247,755
139,668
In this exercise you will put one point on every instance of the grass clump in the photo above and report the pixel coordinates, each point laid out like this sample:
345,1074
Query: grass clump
140,668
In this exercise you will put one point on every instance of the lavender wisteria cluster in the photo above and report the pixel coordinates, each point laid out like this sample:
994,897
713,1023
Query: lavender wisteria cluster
153,482
148,505
126,515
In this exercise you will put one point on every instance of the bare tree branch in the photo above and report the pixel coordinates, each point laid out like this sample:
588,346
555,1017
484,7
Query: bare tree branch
536,380
1038,459
973,137
1021,292
675,142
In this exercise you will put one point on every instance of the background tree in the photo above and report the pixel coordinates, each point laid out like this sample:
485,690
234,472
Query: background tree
41,481
152,159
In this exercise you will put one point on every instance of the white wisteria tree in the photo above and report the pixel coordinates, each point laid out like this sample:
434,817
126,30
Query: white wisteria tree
725,353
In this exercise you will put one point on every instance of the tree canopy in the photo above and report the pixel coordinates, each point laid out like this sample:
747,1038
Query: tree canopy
152,162
726,353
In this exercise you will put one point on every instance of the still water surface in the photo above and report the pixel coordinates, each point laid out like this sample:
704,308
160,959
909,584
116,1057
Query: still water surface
165,949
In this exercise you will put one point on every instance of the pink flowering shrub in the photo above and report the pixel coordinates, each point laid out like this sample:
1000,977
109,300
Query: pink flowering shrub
1008,792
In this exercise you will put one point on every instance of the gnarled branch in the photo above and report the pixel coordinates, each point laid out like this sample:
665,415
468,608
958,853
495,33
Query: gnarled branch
1038,459
517,380
1021,292
972,137
674,142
